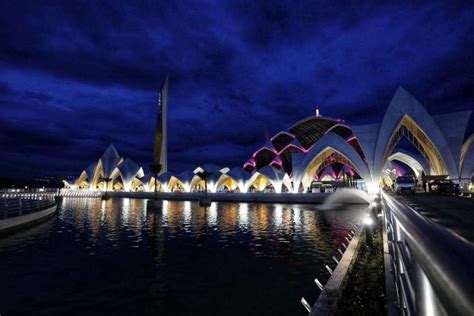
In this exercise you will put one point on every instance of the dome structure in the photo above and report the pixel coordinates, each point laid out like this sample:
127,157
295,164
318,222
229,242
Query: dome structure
299,138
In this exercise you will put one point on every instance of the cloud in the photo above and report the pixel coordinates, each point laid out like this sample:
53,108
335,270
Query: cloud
78,76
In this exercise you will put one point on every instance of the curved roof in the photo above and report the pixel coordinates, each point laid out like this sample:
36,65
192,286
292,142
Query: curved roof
282,139
309,130
129,170
90,171
110,159
299,138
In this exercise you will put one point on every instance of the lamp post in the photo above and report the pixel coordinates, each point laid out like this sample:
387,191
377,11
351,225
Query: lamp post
107,180
368,222
156,168
204,175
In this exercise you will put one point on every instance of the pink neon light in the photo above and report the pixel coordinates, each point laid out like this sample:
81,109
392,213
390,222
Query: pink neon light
336,125
275,164
351,138
282,132
277,161
250,163
292,145
399,172
256,153
277,153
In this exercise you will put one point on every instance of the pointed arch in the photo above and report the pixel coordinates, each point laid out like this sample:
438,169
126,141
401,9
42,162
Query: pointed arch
229,182
405,116
323,159
175,183
258,180
408,128
82,182
410,161
330,145
466,147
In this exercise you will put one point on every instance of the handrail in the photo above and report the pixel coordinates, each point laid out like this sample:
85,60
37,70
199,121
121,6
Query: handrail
446,259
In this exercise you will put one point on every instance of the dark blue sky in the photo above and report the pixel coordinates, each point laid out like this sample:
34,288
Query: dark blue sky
78,75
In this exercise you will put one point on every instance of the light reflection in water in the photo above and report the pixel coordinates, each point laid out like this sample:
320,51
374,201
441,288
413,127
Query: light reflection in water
102,212
164,210
212,214
277,215
245,244
297,216
126,210
243,214
187,212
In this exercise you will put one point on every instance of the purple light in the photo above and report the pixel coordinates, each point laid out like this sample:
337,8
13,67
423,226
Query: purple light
398,172
351,138
282,132
277,161
292,145
336,125
250,163
270,149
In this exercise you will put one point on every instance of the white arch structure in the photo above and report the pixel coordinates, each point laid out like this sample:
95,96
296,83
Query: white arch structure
366,151
305,165
410,161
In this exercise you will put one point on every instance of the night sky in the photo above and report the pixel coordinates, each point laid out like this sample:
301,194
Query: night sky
78,75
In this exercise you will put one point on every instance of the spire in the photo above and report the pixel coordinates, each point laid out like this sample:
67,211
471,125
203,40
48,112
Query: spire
160,154
317,112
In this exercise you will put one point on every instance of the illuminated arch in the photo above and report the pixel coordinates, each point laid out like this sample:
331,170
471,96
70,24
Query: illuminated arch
150,185
115,176
466,149
259,181
329,147
229,182
466,172
137,185
237,175
175,183
98,174
410,161
409,129
324,158
81,182
405,116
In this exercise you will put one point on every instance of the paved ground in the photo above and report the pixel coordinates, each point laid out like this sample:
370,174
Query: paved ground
455,213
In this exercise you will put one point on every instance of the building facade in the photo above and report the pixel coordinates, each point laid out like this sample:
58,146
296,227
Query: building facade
318,148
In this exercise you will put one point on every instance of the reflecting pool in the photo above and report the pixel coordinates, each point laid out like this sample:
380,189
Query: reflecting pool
117,257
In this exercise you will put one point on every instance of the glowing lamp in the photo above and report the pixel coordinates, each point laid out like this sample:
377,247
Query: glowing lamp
368,221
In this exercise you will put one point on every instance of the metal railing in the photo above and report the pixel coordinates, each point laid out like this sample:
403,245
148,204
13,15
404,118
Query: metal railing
80,193
11,207
29,193
432,267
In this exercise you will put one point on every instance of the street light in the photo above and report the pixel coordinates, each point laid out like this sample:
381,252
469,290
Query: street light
204,175
106,197
155,168
368,222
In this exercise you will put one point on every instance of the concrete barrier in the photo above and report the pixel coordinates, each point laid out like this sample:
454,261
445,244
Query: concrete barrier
333,287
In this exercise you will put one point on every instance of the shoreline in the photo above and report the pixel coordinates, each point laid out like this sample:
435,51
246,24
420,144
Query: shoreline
287,198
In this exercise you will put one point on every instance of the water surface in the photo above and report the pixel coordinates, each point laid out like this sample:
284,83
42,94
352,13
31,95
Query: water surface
115,257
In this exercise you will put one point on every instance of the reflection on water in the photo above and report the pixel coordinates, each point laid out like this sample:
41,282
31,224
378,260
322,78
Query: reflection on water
116,257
